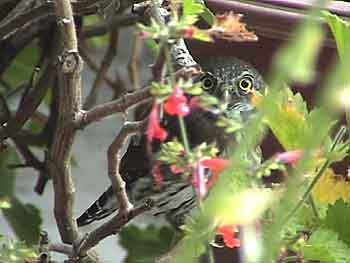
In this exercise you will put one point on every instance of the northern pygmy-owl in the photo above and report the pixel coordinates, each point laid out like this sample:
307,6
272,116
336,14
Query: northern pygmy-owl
229,79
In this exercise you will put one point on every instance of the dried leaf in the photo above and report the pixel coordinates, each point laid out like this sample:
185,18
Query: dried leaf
228,26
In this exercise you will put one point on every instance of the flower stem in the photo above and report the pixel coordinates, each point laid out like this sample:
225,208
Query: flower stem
314,207
339,136
184,134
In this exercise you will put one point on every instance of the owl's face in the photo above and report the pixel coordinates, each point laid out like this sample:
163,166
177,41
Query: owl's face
233,81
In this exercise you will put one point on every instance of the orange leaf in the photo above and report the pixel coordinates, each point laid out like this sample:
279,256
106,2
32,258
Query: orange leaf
228,26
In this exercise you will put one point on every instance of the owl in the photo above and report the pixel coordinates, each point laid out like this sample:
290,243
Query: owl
233,82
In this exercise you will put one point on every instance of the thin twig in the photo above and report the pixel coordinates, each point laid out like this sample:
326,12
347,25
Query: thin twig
103,69
28,107
112,227
134,62
91,63
115,155
116,22
109,108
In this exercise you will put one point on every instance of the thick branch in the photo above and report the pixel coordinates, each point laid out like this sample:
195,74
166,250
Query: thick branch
69,105
109,108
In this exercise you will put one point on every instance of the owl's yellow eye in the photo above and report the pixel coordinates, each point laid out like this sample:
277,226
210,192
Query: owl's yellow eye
246,84
208,81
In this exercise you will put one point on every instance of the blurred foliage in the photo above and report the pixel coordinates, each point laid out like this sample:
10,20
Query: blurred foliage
24,219
146,245
22,67
15,251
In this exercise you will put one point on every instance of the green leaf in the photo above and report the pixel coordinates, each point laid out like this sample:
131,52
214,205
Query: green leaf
341,32
293,126
145,245
25,220
337,219
325,246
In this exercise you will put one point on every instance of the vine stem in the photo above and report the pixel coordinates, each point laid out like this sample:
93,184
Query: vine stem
340,134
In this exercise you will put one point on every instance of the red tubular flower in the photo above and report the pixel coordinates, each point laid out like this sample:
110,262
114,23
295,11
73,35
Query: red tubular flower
290,157
228,232
177,103
154,130
216,165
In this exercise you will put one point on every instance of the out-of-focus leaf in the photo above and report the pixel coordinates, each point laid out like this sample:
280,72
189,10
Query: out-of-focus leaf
22,67
337,219
341,32
145,245
7,176
191,10
296,62
12,251
152,44
25,220
325,246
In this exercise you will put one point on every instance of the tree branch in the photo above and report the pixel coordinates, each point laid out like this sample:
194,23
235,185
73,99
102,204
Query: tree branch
69,104
114,157
112,227
116,106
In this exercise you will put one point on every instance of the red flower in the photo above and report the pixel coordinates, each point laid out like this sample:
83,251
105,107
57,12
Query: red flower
188,32
228,232
157,174
216,165
154,130
200,180
177,103
290,157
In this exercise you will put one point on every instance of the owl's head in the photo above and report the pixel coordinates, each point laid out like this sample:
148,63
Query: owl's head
233,81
